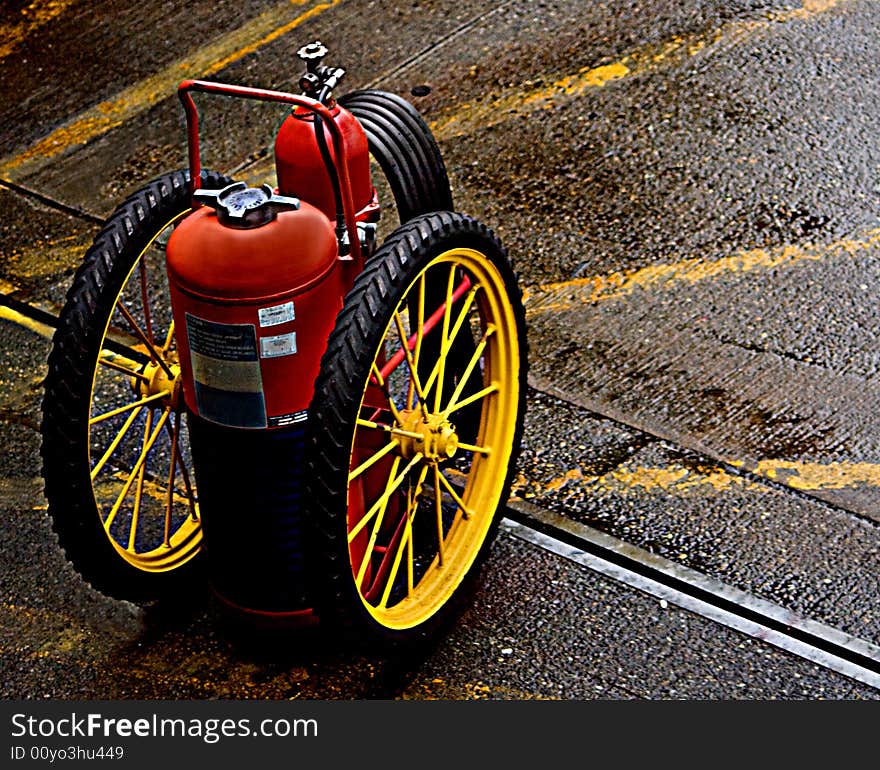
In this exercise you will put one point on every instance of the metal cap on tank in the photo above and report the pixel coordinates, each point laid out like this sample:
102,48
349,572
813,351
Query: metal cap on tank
244,207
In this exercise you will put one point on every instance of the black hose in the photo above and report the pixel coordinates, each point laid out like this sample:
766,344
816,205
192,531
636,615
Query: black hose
334,177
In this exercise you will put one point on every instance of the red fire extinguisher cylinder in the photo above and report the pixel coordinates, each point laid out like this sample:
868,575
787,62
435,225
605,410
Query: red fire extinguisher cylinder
255,284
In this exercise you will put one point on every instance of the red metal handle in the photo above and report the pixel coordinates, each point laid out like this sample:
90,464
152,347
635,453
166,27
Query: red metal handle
184,91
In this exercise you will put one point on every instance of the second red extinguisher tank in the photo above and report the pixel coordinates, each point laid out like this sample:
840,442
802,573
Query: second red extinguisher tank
302,170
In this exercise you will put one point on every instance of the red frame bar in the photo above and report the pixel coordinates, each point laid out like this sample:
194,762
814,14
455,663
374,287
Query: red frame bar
427,327
184,91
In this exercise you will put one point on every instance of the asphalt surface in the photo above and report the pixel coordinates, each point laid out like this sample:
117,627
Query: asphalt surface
690,193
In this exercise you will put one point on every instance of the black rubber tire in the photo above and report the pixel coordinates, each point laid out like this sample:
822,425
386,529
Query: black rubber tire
68,389
345,368
402,144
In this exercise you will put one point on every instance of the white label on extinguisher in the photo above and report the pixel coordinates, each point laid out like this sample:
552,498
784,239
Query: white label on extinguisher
280,345
226,372
277,314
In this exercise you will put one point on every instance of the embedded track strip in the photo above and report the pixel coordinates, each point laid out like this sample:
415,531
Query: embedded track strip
823,645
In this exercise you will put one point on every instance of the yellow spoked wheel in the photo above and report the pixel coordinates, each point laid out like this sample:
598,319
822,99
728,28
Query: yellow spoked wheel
416,424
119,478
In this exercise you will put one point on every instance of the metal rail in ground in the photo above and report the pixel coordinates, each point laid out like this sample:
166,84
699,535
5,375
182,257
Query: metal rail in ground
826,646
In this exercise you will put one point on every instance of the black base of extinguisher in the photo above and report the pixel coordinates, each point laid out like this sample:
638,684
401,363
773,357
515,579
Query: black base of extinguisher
249,485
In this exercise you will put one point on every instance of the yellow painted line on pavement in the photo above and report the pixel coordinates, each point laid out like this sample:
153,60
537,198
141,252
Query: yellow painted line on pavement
532,96
809,8
623,480
438,688
36,15
677,479
8,314
139,97
46,259
270,36
817,476
565,295
494,109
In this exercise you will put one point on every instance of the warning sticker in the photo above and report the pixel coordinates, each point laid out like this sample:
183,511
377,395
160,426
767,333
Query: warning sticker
280,345
226,342
277,314
226,372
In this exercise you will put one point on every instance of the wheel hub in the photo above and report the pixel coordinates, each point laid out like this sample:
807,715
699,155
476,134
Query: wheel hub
155,380
432,436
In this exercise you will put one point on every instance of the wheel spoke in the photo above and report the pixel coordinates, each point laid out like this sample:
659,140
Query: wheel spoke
446,343
133,405
458,501
169,338
420,330
145,299
389,550
154,354
394,431
485,451
380,507
413,374
412,505
372,460
166,541
493,388
119,342
405,544
111,364
139,491
462,383
442,358
390,489
380,381
190,492
115,443
148,445
438,499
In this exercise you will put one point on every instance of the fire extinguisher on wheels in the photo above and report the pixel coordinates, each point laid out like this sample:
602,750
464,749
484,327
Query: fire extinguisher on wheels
246,389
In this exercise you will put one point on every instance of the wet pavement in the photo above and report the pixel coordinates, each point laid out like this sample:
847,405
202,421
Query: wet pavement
691,194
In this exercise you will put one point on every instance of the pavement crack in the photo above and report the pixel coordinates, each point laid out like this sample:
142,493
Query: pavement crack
47,200
755,348
435,45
